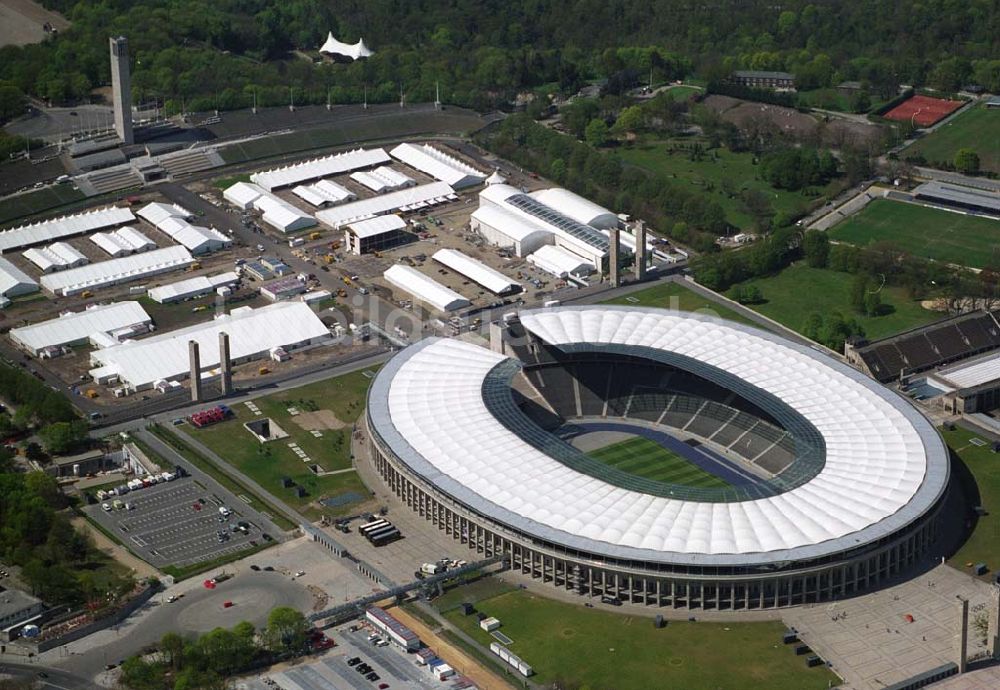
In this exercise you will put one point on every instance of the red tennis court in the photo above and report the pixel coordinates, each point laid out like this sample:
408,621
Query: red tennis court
923,110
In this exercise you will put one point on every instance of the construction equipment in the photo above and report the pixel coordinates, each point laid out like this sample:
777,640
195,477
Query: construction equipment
263,370
91,393
315,235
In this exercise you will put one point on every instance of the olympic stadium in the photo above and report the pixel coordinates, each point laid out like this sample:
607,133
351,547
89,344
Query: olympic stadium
813,482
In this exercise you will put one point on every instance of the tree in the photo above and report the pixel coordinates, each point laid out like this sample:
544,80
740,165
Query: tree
861,102
630,120
63,437
596,133
816,248
967,161
746,294
286,630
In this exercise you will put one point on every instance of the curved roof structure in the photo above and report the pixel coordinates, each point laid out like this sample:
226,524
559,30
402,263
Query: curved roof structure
354,51
424,288
576,207
885,465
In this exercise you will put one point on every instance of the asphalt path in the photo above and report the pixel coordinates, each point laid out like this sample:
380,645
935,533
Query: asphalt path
56,678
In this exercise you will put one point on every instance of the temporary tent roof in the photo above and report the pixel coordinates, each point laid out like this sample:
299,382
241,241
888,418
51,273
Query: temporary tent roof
412,198
14,281
310,196
354,51
496,178
282,215
516,227
122,241
320,167
576,207
114,271
182,289
378,225
560,261
491,279
438,165
242,194
382,179
425,288
197,238
66,226
55,257
252,333
73,327
157,212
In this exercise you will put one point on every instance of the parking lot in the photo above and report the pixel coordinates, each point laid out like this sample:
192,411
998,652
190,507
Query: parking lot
393,666
177,523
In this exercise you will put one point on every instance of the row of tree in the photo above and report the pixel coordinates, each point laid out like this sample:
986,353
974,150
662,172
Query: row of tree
206,661
38,407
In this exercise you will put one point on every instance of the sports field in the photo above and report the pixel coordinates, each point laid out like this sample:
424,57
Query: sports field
576,647
677,297
798,291
928,232
644,458
977,471
977,128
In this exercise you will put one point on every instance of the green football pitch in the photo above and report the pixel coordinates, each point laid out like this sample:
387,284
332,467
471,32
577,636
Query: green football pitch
644,458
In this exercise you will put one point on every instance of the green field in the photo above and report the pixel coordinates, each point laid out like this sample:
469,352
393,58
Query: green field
796,292
644,458
977,128
230,180
268,463
721,175
30,203
580,647
977,468
928,232
677,297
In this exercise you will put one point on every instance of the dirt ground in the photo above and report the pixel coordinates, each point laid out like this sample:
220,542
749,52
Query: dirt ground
21,22
116,551
320,419
457,658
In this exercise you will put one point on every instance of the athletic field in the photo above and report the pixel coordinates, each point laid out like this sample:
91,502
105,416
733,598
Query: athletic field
928,232
644,458
977,128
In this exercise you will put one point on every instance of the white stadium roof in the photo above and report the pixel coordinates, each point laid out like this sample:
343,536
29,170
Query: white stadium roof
379,225
72,327
252,332
14,281
438,165
885,465
560,262
425,288
476,271
122,241
354,51
320,167
199,285
114,271
67,226
55,257
409,199
576,207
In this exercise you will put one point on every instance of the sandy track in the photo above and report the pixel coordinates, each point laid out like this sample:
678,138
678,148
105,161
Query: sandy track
21,22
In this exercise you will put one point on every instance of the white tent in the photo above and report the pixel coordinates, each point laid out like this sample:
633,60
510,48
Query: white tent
560,262
354,51
438,165
242,194
14,281
74,327
55,257
66,226
316,168
476,271
115,271
425,288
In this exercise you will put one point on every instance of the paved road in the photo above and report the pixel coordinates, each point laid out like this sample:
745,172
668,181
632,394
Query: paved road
57,678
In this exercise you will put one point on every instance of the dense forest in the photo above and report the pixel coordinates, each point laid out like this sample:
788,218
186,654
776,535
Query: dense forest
483,51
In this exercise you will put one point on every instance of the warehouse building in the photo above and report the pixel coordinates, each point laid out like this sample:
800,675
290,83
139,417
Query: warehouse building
476,271
560,262
283,288
375,234
383,179
55,257
74,328
174,221
439,165
326,166
763,79
425,288
66,226
191,288
504,229
412,199
324,193
123,241
14,282
17,608
115,271
253,334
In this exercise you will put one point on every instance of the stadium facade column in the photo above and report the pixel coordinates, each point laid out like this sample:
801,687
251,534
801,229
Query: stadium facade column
962,637
194,359
993,634
614,272
226,365
640,250
121,88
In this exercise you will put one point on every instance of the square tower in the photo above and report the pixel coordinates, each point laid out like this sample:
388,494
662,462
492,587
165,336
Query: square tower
121,87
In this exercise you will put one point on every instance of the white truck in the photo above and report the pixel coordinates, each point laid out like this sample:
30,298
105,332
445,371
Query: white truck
431,568
224,511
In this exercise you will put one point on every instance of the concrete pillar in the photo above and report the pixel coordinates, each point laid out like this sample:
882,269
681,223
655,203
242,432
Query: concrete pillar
225,365
614,251
962,639
121,88
993,636
194,357
640,251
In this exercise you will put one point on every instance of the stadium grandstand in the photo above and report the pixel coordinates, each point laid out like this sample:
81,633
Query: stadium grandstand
823,483
924,348
978,201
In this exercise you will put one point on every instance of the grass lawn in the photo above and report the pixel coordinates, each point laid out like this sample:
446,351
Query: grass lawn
644,458
977,128
478,590
677,297
229,181
682,93
927,232
721,175
268,463
796,292
599,649
978,468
